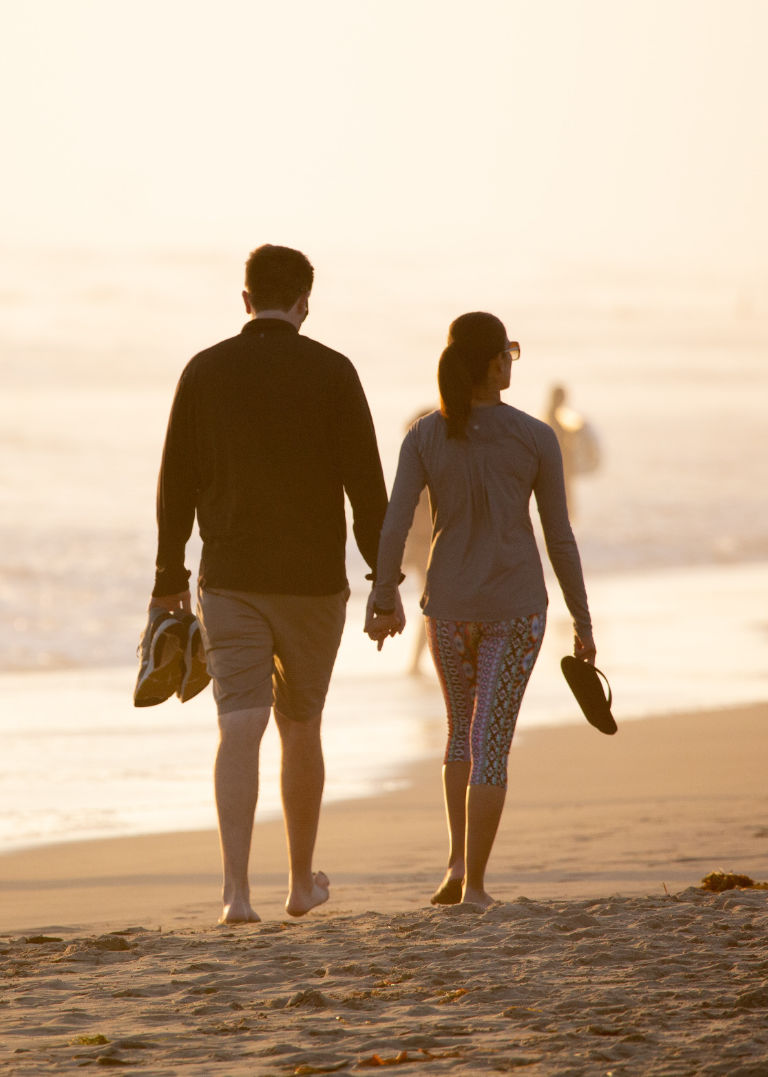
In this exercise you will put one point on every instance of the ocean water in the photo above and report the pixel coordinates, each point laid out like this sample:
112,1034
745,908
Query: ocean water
673,527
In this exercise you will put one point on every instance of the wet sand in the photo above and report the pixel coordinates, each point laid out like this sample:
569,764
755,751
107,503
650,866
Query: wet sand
602,956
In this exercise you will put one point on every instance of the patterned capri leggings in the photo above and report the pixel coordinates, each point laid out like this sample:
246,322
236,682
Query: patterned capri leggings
484,667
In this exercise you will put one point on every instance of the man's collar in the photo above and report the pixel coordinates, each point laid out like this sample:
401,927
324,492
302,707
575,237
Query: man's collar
258,325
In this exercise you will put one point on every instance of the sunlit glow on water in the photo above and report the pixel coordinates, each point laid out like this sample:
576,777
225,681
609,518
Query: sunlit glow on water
80,761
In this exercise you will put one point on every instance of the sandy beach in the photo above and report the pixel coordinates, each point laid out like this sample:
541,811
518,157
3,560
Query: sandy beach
603,955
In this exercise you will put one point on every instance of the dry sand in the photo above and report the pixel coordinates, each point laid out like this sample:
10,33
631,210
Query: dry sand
602,958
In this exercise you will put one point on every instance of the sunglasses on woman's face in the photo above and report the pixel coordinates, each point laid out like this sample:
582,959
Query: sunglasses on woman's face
512,351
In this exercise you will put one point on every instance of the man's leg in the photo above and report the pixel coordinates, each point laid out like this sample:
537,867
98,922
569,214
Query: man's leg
307,631
238,647
302,779
237,788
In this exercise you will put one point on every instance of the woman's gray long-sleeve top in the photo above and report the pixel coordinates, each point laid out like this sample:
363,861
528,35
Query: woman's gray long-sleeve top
484,564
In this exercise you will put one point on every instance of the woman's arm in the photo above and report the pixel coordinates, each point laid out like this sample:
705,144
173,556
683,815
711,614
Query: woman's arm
406,490
549,490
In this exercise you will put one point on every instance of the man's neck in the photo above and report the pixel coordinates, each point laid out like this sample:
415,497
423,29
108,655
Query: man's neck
283,315
295,316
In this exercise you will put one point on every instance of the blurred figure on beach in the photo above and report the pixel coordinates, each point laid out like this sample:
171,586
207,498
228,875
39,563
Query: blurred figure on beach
416,554
485,599
578,442
268,431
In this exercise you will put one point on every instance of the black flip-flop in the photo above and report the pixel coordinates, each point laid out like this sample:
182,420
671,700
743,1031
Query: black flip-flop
584,681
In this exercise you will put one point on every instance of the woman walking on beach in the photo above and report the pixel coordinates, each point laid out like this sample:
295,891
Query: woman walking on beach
484,597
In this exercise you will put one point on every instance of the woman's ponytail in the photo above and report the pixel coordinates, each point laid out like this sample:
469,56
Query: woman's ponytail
473,341
455,385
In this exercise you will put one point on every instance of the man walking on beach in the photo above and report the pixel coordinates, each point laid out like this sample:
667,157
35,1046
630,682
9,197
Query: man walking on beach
267,432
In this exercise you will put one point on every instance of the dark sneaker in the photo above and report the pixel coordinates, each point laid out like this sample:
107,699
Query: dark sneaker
161,654
195,675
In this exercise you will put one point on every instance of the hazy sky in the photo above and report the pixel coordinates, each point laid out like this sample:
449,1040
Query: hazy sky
571,130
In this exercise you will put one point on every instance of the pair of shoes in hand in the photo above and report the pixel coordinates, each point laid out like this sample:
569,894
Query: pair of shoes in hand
171,659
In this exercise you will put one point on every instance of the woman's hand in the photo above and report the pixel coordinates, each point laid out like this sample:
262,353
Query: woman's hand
383,625
380,625
584,647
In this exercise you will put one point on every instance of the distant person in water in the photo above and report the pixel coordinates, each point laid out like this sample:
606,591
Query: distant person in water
268,431
484,599
416,554
577,440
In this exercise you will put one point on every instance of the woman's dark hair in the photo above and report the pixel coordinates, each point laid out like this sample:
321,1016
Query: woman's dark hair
473,341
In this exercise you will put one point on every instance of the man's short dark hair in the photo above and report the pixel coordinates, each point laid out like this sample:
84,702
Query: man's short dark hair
275,277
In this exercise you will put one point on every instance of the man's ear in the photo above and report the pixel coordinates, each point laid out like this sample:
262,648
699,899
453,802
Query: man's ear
247,301
301,306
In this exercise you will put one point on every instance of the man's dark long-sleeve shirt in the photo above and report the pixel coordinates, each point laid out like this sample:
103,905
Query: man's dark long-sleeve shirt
267,431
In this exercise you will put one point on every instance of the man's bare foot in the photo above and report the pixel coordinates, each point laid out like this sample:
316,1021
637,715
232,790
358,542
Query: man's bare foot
477,897
301,901
239,912
449,890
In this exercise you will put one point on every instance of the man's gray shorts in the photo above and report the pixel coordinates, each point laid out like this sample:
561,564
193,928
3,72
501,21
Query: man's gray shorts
271,650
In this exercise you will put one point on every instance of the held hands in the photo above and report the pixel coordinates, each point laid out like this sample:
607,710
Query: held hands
584,647
380,625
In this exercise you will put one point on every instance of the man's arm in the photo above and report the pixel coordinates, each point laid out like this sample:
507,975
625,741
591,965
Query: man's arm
176,500
361,467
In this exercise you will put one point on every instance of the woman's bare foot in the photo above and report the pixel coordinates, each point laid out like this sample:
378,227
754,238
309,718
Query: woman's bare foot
239,912
449,890
301,901
477,897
